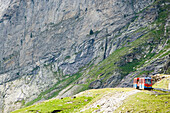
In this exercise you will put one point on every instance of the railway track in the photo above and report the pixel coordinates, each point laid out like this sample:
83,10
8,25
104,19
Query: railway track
160,89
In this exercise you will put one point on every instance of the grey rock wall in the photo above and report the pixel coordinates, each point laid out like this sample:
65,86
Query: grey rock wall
46,31
36,33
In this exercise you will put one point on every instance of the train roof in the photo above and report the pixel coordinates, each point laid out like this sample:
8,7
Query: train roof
143,78
147,77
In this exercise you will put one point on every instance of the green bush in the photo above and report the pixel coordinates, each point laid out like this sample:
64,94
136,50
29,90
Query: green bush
67,57
91,32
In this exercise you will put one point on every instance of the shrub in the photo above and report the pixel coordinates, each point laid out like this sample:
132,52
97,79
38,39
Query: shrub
91,32
67,57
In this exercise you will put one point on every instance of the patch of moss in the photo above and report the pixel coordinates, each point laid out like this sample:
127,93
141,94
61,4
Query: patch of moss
165,54
23,102
129,67
144,73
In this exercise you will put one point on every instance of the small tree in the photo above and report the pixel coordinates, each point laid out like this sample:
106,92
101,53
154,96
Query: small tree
91,32
31,35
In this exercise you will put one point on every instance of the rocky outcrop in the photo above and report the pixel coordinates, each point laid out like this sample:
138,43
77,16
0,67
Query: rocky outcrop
95,84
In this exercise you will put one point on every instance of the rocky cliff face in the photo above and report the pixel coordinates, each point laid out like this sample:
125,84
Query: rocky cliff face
44,43
38,32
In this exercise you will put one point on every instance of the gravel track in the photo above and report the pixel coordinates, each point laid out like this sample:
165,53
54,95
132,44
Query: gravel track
110,102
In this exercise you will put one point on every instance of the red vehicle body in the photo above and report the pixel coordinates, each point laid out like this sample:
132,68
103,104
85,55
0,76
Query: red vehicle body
142,83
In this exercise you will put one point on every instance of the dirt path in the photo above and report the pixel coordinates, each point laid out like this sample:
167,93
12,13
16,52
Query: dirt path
110,102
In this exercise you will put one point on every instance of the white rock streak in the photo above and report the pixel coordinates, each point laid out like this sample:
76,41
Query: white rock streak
3,5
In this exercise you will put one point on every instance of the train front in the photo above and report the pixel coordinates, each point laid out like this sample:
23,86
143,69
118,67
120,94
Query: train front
148,83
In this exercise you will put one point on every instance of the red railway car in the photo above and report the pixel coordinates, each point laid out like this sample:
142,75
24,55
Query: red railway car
142,83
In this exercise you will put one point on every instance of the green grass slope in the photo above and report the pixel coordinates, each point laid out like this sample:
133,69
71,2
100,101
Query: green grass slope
146,102
164,83
68,104
143,101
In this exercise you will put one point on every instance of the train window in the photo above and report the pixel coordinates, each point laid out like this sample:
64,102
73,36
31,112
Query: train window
148,81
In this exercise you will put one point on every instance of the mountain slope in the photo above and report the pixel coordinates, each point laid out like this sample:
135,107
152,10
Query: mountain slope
78,45
147,55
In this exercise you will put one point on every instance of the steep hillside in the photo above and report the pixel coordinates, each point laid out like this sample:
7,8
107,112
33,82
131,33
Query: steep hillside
59,48
148,54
